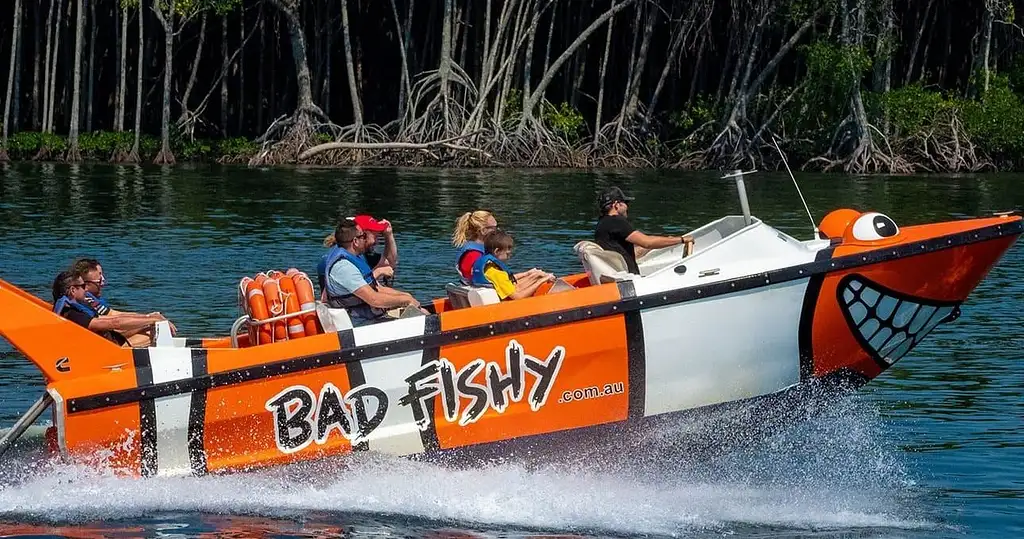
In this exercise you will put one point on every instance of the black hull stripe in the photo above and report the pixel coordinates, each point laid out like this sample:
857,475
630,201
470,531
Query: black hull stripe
147,414
353,353
429,436
197,416
356,376
636,356
804,330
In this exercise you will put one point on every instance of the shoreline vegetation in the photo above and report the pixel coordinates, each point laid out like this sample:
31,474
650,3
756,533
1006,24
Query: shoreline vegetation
886,86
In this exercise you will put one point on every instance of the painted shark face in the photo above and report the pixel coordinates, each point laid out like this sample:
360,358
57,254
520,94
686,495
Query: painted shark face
886,323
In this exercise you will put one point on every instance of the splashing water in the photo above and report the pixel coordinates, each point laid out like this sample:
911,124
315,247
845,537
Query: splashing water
837,471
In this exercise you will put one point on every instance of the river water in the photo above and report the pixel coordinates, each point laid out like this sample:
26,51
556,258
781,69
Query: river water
930,449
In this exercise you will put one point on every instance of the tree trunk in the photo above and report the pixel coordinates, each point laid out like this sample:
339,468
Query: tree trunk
403,86
48,63
298,39
357,109
16,105
53,70
91,72
547,46
549,75
630,100
122,85
986,42
224,80
917,42
884,49
185,121
260,74
241,69
601,77
37,97
73,154
531,37
15,38
673,49
135,153
445,69
165,156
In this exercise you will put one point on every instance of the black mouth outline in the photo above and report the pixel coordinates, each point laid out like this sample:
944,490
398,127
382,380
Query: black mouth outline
906,322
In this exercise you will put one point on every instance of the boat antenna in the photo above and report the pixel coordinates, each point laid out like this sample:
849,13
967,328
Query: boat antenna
784,162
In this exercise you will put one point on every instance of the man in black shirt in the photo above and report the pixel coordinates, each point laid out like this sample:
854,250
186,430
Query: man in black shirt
614,233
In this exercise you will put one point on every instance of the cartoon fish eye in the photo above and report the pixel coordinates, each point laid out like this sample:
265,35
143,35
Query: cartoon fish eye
874,226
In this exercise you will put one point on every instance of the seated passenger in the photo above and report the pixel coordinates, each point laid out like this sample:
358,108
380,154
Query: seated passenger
92,274
70,302
614,233
470,230
383,264
490,270
350,284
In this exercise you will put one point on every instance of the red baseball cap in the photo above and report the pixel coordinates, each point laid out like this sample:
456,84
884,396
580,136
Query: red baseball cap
367,222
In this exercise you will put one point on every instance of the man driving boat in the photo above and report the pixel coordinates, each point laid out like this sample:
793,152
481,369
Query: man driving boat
615,233
350,283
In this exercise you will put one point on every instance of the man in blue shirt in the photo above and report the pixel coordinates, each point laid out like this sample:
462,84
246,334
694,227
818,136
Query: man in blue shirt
350,282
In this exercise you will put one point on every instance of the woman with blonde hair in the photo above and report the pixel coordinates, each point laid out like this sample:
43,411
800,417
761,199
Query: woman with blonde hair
470,230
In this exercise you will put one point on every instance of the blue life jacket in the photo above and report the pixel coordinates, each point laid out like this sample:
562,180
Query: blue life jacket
481,264
342,299
467,247
98,304
65,302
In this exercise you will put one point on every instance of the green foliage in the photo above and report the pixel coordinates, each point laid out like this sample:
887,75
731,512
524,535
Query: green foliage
102,144
195,150
564,120
26,144
237,147
686,120
512,108
996,121
912,109
833,69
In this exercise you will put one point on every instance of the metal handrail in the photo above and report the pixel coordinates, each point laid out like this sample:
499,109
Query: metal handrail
246,319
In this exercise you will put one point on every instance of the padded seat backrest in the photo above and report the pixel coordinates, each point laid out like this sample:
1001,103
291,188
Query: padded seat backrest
463,296
601,266
332,319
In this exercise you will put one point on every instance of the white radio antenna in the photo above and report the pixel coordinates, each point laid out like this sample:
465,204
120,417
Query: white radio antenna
809,216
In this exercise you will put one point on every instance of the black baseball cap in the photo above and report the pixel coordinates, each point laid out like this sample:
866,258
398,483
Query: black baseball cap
610,196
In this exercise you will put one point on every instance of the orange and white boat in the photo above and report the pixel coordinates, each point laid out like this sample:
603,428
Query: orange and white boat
750,313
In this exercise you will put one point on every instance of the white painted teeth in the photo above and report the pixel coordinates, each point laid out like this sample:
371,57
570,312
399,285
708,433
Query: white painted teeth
890,326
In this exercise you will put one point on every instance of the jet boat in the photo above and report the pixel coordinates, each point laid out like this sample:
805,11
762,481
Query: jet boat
749,313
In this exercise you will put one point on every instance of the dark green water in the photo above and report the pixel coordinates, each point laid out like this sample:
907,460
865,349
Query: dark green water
931,449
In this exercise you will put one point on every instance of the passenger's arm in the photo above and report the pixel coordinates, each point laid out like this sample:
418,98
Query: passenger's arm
124,322
385,300
390,256
652,242
529,288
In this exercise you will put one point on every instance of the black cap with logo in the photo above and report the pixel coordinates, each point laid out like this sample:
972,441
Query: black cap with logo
610,196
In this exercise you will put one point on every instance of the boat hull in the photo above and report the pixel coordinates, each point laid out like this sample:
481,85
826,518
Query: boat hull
494,379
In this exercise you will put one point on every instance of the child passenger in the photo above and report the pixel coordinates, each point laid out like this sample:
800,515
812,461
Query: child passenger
491,269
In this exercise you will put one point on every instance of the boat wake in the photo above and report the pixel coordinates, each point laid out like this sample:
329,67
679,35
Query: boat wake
838,471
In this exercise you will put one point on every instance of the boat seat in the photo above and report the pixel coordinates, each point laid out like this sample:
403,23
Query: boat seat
332,320
463,296
163,338
602,266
